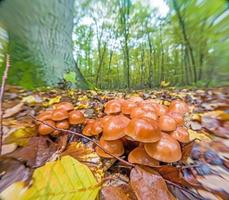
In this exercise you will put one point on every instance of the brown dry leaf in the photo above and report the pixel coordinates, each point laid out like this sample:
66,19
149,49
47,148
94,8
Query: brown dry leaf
36,153
8,148
14,110
186,150
121,192
147,184
11,171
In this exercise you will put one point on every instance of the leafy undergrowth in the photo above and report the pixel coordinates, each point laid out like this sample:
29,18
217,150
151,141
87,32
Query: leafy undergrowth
67,166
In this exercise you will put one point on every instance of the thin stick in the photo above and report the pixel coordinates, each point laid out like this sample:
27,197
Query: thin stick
4,79
80,135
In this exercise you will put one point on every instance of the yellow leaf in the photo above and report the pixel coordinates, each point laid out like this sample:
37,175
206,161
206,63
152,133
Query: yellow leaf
63,179
21,136
31,99
14,191
202,136
164,83
52,101
83,98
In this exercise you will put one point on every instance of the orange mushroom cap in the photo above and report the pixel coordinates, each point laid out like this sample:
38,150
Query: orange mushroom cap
67,106
114,128
139,156
59,115
167,123
127,107
148,106
76,117
181,134
93,128
136,99
167,149
179,107
105,119
45,129
63,124
140,112
45,115
161,109
143,130
178,118
115,147
112,107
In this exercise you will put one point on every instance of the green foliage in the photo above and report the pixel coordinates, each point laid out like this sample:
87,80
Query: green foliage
70,77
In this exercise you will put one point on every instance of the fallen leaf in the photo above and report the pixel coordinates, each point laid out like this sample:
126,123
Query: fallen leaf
21,136
186,150
147,184
121,192
65,178
11,171
13,111
36,153
8,148
196,126
52,101
202,136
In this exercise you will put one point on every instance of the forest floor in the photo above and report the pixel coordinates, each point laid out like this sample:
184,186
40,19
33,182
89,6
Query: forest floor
204,173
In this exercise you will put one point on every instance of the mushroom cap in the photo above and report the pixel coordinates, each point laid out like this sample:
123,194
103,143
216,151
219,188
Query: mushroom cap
112,107
140,112
93,128
148,106
179,107
143,130
76,117
135,99
161,109
45,115
178,118
167,149
114,127
167,123
105,119
63,124
127,107
45,129
139,156
59,115
115,147
64,106
181,134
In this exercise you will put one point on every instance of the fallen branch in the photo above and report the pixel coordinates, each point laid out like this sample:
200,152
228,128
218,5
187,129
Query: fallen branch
4,78
83,136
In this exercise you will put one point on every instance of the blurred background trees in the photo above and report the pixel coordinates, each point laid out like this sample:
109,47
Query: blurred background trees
138,44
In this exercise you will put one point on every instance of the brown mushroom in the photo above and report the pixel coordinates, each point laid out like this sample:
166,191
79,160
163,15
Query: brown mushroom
181,134
139,156
143,130
178,118
147,106
136,99
178,106
114,147
161,109
67,106
167,123
93,128
167,149
112,107
63,124
45,115
59,115
127,107
114,128
140,112
45,129
76,117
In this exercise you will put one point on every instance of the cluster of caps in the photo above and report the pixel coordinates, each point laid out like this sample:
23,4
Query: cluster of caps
62,116
156,128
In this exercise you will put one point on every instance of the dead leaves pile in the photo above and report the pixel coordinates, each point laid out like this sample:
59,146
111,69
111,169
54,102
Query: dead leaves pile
201,174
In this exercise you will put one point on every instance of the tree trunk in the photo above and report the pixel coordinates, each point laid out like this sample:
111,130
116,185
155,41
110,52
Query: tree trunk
40,41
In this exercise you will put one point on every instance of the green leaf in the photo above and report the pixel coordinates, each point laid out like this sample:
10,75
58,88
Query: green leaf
63,179
70,77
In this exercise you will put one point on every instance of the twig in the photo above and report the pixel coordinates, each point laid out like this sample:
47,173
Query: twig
4,78
80,135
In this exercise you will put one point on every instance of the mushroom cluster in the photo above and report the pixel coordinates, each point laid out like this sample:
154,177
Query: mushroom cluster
157,129
62,116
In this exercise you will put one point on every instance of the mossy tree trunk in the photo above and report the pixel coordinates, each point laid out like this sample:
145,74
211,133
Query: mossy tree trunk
40,41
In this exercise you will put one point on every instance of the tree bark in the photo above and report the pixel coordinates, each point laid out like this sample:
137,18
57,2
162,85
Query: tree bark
40,41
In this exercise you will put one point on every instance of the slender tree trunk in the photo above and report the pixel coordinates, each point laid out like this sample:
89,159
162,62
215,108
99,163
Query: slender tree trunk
186,40
150,79
40,41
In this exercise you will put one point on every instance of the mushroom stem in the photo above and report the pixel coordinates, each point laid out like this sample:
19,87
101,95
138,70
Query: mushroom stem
80,135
